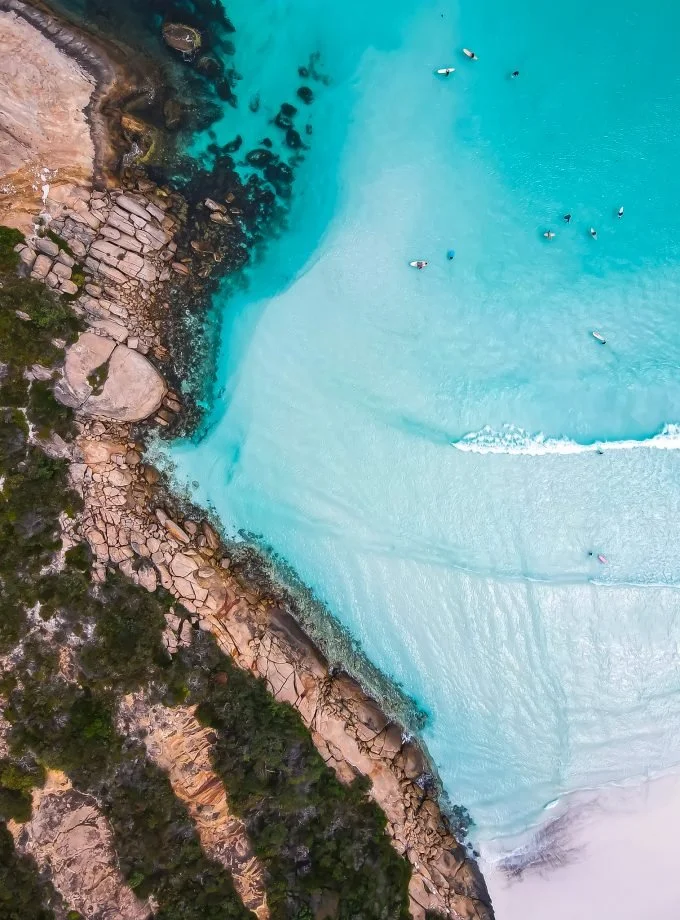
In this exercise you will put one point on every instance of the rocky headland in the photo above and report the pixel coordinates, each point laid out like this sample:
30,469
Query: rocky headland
121,250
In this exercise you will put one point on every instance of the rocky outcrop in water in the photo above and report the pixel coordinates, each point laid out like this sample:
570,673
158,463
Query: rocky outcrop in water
182,38
115,254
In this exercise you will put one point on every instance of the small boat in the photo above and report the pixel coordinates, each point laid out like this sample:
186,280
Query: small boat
418,263
599,337
445,71
593,233
549,235
602,559
470,54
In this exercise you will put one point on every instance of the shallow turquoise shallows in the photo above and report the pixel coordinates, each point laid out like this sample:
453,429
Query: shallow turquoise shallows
437,452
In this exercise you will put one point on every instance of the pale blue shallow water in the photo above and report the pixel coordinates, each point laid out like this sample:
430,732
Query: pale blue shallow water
345,376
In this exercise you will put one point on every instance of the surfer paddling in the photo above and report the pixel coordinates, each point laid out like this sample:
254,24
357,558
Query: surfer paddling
445,71
514,74
619,213
593,233
600,338
600,558
470,54
549,235
418,263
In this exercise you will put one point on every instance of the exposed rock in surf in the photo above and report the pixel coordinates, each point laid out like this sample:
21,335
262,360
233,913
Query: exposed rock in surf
182,38
139,132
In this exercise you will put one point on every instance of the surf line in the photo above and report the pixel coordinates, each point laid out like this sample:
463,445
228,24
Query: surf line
514,440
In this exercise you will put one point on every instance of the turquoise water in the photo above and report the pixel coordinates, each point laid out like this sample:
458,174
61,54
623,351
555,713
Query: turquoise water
436,452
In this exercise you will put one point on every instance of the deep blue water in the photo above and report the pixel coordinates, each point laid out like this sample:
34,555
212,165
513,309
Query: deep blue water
422,447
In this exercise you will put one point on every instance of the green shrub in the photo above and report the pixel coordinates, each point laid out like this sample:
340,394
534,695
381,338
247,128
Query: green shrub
16,782
9,238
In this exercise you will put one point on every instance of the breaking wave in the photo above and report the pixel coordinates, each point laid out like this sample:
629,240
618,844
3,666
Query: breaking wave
514,440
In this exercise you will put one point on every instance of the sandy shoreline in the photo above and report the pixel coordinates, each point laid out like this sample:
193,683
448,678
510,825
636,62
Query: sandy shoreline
592,861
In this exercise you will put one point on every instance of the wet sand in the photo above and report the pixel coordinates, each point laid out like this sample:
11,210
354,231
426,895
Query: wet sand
612,854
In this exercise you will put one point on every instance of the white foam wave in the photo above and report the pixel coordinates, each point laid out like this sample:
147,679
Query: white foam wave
514,440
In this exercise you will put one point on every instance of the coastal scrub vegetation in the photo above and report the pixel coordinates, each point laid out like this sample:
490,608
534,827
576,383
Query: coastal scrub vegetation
316,836
77,647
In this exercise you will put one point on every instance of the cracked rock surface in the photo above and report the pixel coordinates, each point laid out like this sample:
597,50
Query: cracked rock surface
71,840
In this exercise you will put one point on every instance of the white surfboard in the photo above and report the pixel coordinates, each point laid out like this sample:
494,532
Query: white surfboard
599,337
445,71
470,54
418,263
549,235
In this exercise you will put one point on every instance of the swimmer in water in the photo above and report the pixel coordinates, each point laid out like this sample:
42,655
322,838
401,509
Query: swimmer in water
514,74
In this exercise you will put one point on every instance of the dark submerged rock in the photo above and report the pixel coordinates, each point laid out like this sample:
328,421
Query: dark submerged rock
172,113
234,145
209,66
306,95
259,157
267,142
283,121
226,93
280,175
293,139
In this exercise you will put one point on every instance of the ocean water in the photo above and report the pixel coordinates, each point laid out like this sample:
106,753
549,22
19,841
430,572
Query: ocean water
437,452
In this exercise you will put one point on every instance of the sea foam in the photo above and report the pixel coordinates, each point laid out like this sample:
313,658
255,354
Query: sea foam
514,440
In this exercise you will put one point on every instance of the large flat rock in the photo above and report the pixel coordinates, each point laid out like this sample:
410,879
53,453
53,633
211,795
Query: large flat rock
132,388
44,134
